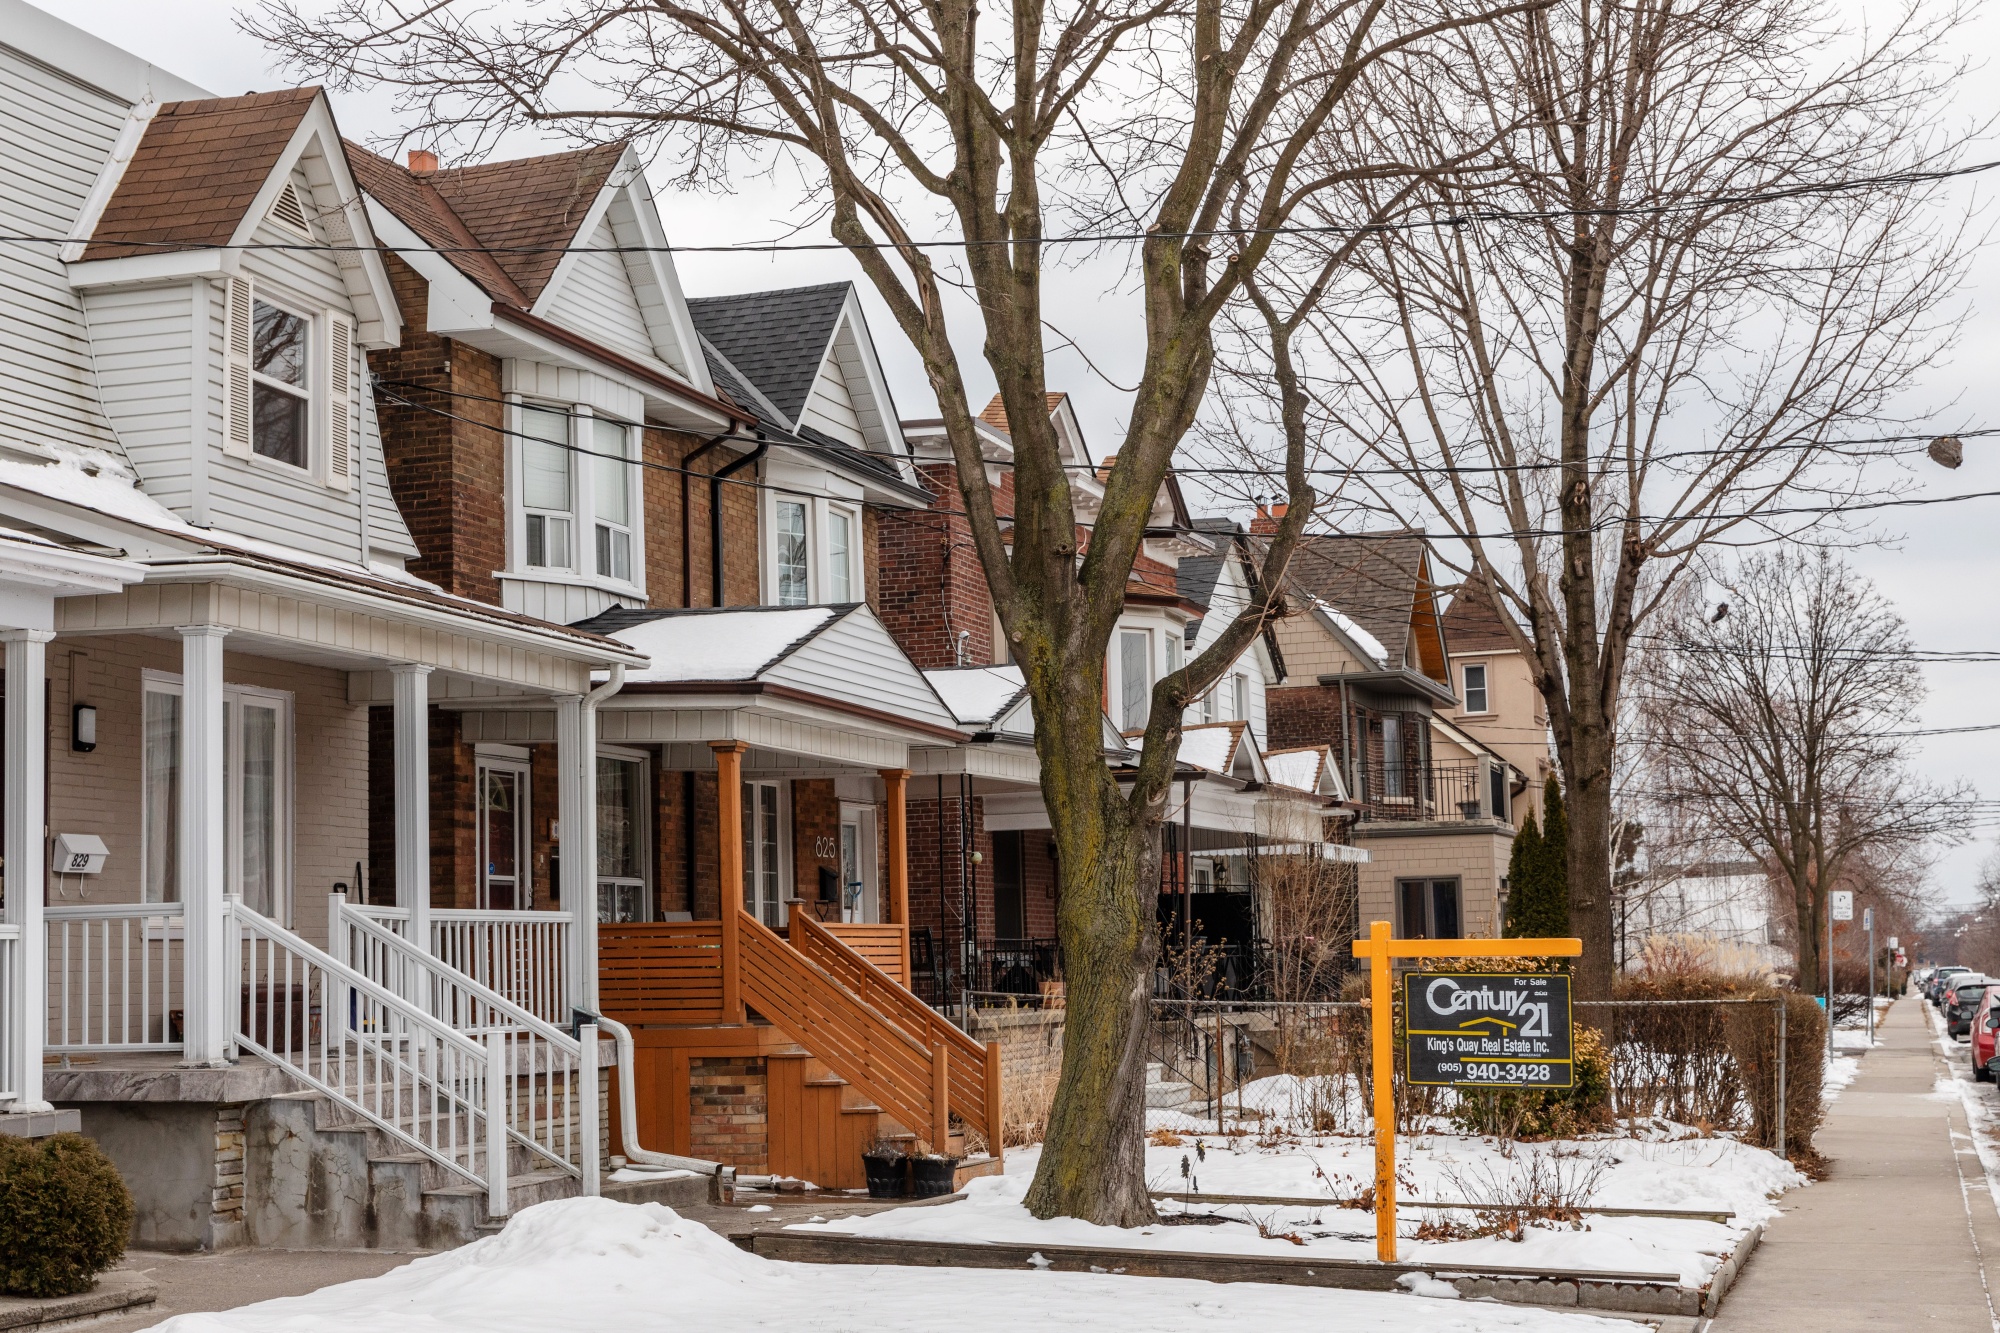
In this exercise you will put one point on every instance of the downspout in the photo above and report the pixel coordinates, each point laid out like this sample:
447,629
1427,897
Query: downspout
715,481
628,1096
687,528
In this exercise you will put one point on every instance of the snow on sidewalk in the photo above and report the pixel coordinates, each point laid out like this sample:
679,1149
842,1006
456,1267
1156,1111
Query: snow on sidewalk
584,1265
1670,1167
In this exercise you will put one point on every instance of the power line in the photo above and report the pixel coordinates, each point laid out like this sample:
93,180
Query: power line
1448,220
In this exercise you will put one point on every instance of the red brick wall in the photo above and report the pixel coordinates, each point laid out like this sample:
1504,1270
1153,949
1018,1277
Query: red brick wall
447,472
1303,715
815,834
728,1117
930,585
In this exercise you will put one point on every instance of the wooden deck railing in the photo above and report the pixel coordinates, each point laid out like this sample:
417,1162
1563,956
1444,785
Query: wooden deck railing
823,991
972,1070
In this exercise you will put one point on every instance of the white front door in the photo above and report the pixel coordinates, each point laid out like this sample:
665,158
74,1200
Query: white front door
765,873
858,899
504,883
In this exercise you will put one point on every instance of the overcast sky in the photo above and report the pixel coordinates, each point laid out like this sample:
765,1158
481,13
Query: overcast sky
1939,564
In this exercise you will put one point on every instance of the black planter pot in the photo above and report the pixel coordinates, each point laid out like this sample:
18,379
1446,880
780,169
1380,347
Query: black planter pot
888,1177
930,1177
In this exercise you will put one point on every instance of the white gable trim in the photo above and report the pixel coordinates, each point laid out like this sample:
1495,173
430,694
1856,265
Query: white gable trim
672,330
456,302
315,149
112,172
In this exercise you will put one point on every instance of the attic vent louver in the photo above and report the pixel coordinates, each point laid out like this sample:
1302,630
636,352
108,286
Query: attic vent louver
289,211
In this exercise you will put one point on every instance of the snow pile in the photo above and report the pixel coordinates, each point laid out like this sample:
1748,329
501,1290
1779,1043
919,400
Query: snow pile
976,695
1672,1167
727,645
584,1265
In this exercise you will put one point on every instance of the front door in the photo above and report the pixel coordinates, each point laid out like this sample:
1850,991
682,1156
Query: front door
763,852
858,901
1010,906
503,835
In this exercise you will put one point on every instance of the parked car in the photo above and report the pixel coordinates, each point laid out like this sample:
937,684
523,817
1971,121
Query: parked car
1940,980
1965,996
1985,1032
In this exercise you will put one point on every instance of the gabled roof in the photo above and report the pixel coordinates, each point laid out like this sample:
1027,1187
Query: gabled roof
840,656
1471,624
413,199
198,169
1226,748
1308,769
530,208
1379,582
778,340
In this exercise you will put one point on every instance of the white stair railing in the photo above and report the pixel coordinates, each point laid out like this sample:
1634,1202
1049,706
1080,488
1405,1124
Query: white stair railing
522,955
551,1077
13,1041
413,1076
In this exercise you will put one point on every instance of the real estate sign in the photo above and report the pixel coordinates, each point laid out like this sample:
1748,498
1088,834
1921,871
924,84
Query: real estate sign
1489,1029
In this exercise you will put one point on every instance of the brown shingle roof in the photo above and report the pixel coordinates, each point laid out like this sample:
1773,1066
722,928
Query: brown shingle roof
995,413
196,171
413,200
530,208
1373,580
1471,625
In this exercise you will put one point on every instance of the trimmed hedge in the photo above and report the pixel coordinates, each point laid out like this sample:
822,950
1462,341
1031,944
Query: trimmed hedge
64,1215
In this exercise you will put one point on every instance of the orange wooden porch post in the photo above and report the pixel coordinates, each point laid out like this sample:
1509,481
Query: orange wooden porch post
895,781
729,863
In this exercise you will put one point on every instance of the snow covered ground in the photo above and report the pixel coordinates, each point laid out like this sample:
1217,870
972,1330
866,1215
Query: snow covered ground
1663,1166
585,1265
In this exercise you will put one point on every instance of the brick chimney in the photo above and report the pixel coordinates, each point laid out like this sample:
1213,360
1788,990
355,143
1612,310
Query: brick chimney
1266,522
422,162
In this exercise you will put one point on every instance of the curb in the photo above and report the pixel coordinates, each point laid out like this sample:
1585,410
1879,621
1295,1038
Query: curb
1729,1269
1646,1293
120,1289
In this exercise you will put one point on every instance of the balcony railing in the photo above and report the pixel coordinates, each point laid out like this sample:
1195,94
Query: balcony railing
1452,791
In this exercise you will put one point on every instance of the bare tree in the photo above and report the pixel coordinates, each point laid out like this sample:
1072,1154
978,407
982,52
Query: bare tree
1782,726
1153,120
1636,326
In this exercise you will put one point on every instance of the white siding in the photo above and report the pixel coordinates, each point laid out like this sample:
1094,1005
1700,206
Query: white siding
830,406
56,134
855,660
386,530
269,501
142,344
596,300
563,603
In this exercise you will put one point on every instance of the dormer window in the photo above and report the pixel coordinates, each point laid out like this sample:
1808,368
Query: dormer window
1475,687
281,347
546,491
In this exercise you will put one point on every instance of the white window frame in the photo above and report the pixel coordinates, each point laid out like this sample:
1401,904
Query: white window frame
1485,689
783,851
233,697
644,881
788,505
580,444
819,514
1125,705
311,395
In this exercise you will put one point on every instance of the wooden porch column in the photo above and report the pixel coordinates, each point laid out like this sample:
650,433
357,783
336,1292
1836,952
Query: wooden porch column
729,863
211,995
24,1005
895,782
411,716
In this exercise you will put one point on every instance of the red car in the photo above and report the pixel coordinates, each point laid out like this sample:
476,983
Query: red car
1985,1032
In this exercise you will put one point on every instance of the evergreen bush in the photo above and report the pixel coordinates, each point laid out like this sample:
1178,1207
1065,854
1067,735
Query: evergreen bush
1538,873
64,1215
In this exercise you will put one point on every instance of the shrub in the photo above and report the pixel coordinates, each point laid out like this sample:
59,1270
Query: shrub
1753,1041
64,1215
1545,1113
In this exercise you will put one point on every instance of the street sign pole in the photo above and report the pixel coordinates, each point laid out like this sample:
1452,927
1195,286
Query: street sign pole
1379,948
1839,907
1868,920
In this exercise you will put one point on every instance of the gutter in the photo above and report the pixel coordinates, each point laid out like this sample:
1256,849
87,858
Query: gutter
687,529
715,481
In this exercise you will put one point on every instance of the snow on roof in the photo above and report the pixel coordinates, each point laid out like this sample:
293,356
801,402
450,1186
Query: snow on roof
1298,769
977,695
1208,747
1363,640
728,645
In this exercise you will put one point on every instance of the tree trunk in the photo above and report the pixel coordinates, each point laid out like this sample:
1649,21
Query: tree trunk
1093,1152
1587,802
1811,930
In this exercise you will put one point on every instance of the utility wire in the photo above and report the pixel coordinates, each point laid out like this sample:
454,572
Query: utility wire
1472,217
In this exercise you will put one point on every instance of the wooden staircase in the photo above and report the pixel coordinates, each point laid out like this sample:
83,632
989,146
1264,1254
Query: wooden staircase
849,1054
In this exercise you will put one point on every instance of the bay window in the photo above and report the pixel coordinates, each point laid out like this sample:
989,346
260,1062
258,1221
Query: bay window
814,552
1135,670
547,494
613,498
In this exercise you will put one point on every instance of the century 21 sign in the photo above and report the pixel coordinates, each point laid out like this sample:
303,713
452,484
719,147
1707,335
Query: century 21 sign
1489,1029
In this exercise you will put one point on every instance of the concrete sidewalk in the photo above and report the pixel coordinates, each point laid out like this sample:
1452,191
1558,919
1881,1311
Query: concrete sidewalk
1901,1235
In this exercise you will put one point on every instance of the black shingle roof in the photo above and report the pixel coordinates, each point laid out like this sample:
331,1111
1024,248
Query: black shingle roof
776,340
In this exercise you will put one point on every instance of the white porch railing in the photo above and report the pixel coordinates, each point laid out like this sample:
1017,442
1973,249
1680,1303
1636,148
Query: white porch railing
552,1092
10,1044
117,977
522,955
441,1091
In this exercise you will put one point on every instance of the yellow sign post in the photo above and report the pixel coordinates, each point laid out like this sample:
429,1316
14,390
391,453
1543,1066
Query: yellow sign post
1378,949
